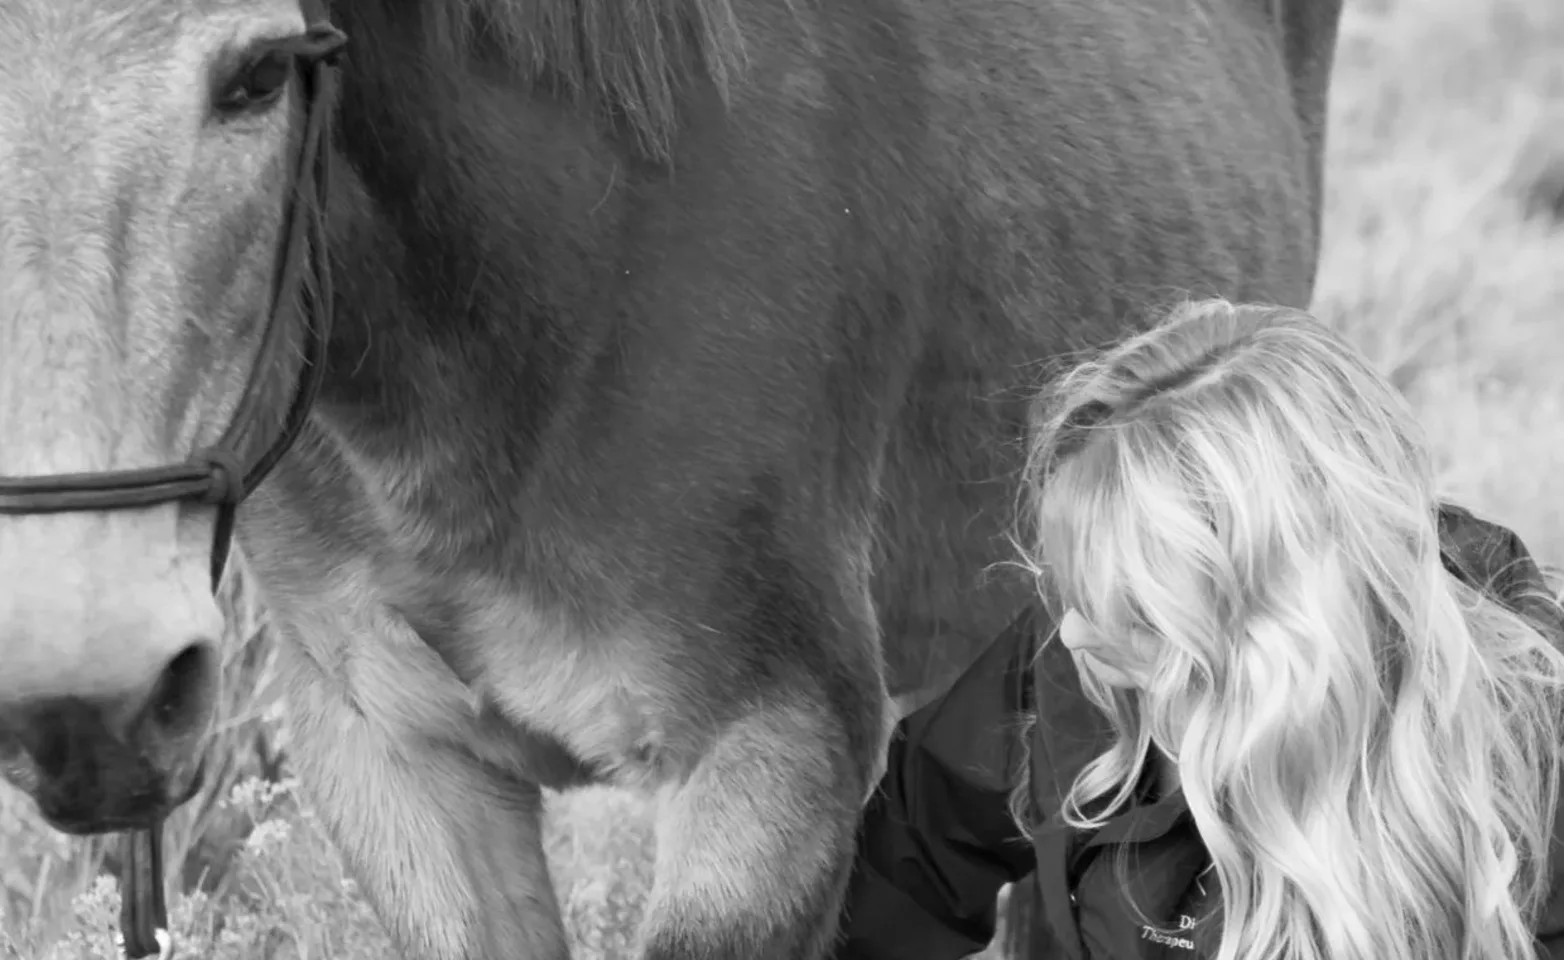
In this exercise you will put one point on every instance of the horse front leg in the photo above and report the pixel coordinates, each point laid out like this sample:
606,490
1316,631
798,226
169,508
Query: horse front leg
440,830
754,849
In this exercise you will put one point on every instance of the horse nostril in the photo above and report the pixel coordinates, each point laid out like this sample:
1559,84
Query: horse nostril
49,733
179,699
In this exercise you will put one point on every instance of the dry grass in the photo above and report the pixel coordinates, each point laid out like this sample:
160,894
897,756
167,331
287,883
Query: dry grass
1442,257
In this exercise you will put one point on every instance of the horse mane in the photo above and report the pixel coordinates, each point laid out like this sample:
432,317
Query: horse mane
627,59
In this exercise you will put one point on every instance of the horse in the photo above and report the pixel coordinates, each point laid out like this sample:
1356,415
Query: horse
668,421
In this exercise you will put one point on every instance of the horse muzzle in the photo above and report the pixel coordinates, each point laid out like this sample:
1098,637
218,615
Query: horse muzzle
89,773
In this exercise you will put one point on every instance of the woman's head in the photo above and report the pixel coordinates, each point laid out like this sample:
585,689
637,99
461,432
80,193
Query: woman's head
1228,456
1235,516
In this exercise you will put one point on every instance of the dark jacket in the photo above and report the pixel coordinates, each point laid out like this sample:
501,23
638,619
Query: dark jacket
938,841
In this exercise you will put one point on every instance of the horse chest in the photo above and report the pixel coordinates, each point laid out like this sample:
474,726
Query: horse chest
598,695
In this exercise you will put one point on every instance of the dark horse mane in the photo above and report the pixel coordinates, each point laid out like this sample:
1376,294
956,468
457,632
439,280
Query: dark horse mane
627,61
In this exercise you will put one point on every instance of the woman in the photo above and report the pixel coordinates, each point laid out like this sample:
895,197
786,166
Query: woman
1312,714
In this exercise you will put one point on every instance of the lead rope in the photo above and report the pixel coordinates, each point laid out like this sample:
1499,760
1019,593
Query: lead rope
143,914
143,910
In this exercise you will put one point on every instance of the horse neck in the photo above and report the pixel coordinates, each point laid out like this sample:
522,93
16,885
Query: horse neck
474,240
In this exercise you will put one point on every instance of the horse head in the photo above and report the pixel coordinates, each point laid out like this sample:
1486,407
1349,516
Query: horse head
161,334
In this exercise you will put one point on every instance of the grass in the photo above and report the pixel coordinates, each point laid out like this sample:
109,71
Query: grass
1441,259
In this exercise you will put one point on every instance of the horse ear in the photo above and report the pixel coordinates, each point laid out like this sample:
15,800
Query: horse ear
322,41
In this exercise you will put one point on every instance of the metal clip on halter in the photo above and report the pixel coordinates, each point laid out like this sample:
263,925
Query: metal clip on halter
164,942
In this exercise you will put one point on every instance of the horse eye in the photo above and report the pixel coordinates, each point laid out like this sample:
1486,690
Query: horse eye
257,84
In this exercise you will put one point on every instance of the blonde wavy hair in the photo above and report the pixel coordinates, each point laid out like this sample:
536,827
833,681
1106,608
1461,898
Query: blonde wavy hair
1368,746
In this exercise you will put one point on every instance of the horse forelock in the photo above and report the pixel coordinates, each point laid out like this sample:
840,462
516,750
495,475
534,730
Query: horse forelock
630,61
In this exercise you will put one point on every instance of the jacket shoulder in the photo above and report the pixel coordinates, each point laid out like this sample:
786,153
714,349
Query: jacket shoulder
1492,558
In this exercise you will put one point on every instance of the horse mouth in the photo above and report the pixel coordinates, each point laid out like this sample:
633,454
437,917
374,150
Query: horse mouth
102,824
138,811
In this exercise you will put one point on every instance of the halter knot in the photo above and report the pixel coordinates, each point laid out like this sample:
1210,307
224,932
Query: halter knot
227,476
